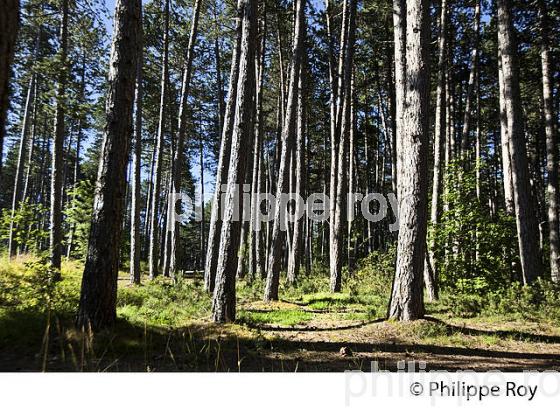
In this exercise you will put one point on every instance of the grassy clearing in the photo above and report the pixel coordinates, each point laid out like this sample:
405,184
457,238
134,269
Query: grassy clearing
165,325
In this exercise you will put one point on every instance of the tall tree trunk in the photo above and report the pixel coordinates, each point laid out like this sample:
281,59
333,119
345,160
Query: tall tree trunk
153,244
98,296
352,180
9,28
135,242
148,217
177,166
412,127
294,260
341,167
506,156
55,230
255,235
471,85
202,253
17,194
335,261
527,225
431,271
31,152
551,145
223,306
215,227
288,131
76,171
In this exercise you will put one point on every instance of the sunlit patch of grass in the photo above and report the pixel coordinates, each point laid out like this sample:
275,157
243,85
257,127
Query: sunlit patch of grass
163,303
324,300
275,317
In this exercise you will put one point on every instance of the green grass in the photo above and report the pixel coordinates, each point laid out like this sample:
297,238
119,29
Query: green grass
163,303
160,317
275,317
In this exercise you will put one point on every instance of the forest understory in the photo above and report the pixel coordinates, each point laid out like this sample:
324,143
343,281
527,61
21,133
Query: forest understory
163,326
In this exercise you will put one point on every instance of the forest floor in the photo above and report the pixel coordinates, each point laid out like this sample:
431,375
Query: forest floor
166,327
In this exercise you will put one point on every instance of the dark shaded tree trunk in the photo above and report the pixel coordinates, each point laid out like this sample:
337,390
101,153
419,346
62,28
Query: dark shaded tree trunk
223,304
9,28
215,226
288,130
55,244
341,168
431,269
551,144
527,224
98,296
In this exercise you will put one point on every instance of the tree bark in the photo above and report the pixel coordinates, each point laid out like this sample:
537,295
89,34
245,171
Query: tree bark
471,85
177,165
98,296
288,131
215,227
412,145
551,145
256,267
55,245
223,304
431,269
294,260
135,241
17,194
527,225
341,167
9,28
153,244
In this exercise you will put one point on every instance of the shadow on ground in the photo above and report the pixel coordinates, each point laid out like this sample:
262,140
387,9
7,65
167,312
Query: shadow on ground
34,342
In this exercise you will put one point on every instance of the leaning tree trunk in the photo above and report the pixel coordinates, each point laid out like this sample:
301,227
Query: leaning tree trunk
135,242
153,242
55,245
98,297
551,146
215,227
288,130
177,166
223,304
9,27
431,271
407,294
525,216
